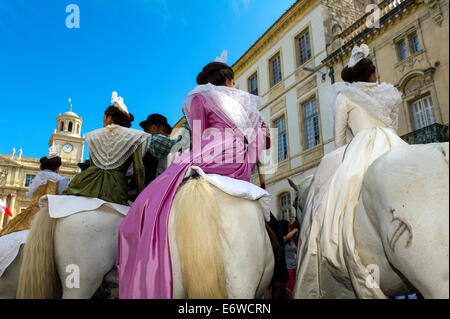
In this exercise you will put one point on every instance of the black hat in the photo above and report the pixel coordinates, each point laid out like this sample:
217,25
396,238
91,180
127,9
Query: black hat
156,119
84,166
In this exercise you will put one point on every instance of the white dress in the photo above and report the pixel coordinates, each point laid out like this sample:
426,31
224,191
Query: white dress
365,115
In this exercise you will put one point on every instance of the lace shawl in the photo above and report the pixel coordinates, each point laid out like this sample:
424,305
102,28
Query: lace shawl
43,177
111,146
240,107
379,100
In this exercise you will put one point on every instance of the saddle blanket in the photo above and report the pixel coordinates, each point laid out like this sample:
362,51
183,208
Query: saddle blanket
9,248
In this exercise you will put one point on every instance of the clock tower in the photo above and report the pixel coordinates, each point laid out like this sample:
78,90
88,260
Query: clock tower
67,138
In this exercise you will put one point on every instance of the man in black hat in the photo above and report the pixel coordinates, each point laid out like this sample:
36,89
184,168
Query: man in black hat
155,158
156,124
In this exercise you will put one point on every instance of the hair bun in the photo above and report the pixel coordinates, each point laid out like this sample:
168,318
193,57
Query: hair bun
201,78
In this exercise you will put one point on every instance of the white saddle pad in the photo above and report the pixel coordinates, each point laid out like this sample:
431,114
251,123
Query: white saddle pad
65,205
237,187
9,248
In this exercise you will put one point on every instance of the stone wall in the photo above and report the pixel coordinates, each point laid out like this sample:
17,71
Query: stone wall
339,15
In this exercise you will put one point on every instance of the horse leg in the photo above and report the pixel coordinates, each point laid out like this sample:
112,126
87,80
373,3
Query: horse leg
86,250
371,252
409,207
10,278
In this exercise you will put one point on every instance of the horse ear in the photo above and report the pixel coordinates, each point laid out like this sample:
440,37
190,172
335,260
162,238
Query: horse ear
293,185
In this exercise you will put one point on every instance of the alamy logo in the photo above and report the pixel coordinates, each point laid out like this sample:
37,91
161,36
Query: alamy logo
73,277
73,19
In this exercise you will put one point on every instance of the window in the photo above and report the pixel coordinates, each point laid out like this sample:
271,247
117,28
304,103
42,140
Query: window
285,206
415,44
303,47
408,45
70,127
253,84
275,70
423,112
28,179
62,126
311,123
282,140
402,49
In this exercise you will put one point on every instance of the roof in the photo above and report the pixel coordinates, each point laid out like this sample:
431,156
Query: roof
70,114
267,31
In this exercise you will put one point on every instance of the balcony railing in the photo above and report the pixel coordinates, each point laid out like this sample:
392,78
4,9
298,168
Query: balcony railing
435,133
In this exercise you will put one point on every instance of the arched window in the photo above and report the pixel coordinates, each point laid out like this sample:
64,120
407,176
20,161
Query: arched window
62,126
70,127
285,206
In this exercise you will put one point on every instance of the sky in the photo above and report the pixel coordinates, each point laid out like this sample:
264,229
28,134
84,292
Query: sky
149,51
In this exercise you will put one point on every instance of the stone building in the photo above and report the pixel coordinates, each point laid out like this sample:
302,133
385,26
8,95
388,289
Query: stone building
294,63
409,47
284,67
17,172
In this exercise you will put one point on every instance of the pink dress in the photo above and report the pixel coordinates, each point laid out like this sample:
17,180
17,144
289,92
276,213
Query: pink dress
144,265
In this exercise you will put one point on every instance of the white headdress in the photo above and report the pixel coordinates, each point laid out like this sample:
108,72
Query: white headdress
358,53
118,100
52,152
223,57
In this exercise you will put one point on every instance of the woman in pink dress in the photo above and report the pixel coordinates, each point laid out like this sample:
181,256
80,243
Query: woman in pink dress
228,133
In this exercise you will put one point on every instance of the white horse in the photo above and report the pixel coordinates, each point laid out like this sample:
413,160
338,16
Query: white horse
10,278
218,244
402,221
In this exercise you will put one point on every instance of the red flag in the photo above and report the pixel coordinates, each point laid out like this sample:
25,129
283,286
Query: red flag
5,208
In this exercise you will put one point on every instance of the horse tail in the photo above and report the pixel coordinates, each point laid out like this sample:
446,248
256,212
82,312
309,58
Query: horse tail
38,277
198,234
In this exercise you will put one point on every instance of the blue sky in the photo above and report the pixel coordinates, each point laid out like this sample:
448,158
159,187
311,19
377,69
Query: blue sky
149,51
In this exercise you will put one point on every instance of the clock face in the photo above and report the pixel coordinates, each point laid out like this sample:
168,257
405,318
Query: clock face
67,148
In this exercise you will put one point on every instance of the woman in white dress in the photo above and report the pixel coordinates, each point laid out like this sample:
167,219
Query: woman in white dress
366,117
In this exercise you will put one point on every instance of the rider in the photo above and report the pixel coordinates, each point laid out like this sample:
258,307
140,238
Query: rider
47,181
366,118
112,149
213,108
155,162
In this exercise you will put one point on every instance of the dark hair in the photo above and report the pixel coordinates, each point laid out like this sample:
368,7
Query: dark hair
284,226
52,164
118,116
215,73
360,72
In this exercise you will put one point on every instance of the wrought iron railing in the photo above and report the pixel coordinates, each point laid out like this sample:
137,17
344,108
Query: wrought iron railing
434,133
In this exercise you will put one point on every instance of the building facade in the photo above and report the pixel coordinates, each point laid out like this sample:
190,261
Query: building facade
284,67
409,47
17,172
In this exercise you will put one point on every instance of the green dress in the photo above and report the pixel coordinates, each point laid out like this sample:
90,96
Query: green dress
109,184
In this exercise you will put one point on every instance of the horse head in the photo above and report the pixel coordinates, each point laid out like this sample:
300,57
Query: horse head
301,191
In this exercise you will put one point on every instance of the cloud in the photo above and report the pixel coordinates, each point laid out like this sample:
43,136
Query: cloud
240,6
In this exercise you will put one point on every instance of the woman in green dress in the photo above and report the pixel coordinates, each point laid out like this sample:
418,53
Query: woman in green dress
114,150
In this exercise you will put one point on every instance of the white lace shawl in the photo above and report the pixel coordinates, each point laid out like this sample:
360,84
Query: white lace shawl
241,107
43,177
379,100
111,146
